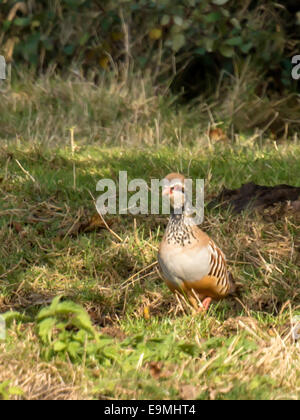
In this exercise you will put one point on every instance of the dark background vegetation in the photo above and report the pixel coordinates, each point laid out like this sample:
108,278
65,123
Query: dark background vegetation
190,45
202,37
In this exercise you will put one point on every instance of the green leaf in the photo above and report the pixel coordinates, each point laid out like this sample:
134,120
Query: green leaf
142,61
226,50
212,17
178,20
220,2
132,341
209,44
6,391
14,390
135,7
165,20
83,40
45,329
225,12
235,23
74,3
62,314
30,47
74,349
245,48
47,43
6,25
83,321
22,21
178,42
200,51
235,41
69,49
189,348
80,336
11,316
59,346
49,310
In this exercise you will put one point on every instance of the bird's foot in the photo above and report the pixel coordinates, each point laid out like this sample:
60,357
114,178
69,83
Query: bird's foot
205,305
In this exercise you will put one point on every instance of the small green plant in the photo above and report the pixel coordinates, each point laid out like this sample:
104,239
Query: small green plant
65,328
7,391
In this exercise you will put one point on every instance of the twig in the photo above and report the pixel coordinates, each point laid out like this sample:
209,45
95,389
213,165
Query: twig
124,284
243,306
276,113
76,221
151,246
26,172
73,150
250,331
12,269
200,304
284,306
6,169
179,301
106,225
109,229
126,44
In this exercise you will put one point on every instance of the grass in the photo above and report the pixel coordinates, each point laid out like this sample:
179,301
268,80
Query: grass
141,344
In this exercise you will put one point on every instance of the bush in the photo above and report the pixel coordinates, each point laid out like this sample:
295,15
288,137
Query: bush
158,35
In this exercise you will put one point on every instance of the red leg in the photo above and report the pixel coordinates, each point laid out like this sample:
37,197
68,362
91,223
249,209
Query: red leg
206,302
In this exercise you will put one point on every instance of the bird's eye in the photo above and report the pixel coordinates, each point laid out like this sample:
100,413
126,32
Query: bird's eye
178,187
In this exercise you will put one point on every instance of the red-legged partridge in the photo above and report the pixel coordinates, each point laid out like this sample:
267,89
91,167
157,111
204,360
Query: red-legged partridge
189,261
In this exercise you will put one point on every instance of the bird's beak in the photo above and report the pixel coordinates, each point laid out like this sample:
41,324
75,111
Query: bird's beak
166,191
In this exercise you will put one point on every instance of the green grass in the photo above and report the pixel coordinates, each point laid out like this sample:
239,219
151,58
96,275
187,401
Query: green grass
141,344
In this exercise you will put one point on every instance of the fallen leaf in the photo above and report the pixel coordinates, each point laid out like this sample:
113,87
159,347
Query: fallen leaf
212,394
17,226
155,33
146,312
272,332
217,134
94,223
156,369
85,225
188,392
296,205
226,389
114,332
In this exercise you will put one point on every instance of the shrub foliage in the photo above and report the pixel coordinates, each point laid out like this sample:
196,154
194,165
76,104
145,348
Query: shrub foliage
157,34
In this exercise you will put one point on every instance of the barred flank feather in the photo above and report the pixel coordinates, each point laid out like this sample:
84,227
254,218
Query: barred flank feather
218,268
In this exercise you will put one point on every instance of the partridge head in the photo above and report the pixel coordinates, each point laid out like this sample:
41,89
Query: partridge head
189,260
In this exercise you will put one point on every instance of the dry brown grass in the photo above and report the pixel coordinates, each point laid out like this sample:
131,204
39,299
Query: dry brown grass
22,367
